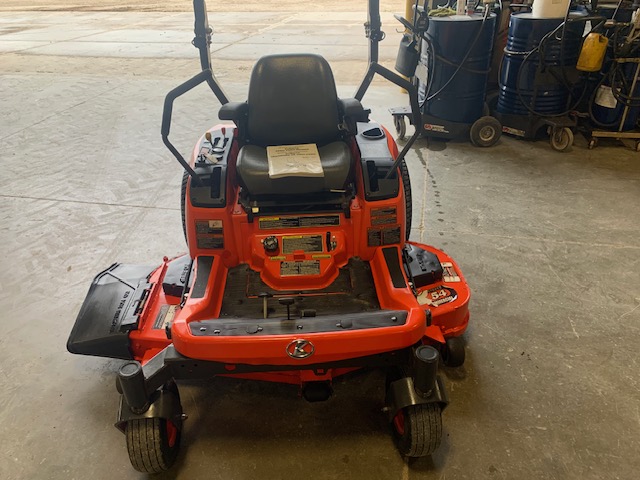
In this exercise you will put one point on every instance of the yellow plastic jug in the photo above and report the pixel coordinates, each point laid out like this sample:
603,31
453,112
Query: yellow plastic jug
592,53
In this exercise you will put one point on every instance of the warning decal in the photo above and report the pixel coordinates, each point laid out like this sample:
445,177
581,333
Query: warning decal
449,273
304,267
165,316
209,234
298,222
305,243
209,226
210,241
384,216
383,236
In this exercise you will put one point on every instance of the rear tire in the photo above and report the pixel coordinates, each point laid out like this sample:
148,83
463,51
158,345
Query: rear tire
453,352
408,205
152,443
417,429
183,204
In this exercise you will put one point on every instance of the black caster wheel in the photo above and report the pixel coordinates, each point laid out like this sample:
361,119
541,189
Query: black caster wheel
417,429
485,131
152,443
401,126
593,143
561,139
453,352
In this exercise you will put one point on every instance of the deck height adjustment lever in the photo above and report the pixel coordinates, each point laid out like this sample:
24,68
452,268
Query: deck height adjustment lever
265,296
288,301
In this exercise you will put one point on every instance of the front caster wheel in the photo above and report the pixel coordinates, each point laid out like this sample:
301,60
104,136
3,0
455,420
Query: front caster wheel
401,126
417,429
485,132
453,352
561,139
152,443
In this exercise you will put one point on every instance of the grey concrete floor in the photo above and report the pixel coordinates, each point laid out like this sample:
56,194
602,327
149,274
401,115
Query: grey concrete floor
549,242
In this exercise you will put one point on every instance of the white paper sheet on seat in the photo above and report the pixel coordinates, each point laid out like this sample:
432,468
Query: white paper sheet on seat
294,161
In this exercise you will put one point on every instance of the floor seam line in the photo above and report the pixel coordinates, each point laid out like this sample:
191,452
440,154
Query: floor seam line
64,200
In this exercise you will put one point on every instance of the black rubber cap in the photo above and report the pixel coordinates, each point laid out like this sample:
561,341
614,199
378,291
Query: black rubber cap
427,354
130,369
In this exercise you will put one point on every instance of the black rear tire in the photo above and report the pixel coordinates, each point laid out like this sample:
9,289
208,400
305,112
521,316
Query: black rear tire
453,352
408,208
417,429
183,203
152,443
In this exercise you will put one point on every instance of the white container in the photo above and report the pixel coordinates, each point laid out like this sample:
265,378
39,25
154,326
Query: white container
549,8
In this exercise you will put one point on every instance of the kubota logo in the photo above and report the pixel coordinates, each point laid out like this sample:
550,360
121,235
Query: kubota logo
300,349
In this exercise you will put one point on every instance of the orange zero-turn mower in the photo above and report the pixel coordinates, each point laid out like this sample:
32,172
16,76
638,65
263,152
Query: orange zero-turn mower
298,270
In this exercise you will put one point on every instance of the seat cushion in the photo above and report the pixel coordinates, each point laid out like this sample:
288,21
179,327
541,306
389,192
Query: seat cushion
253,168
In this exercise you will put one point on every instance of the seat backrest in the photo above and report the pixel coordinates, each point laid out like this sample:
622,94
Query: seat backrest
292,100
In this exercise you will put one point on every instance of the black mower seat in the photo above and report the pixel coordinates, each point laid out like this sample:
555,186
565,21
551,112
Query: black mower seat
253,167
292,100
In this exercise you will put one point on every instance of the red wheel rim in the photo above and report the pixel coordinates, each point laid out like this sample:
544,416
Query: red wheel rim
398,422
172,433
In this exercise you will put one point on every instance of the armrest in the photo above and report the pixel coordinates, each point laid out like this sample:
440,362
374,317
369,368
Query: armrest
234,111
351,107
351,112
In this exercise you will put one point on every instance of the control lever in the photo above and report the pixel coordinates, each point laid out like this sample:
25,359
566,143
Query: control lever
264,296
288,301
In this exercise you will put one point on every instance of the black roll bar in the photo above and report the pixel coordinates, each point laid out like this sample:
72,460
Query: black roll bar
373,31
202,40
166,119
